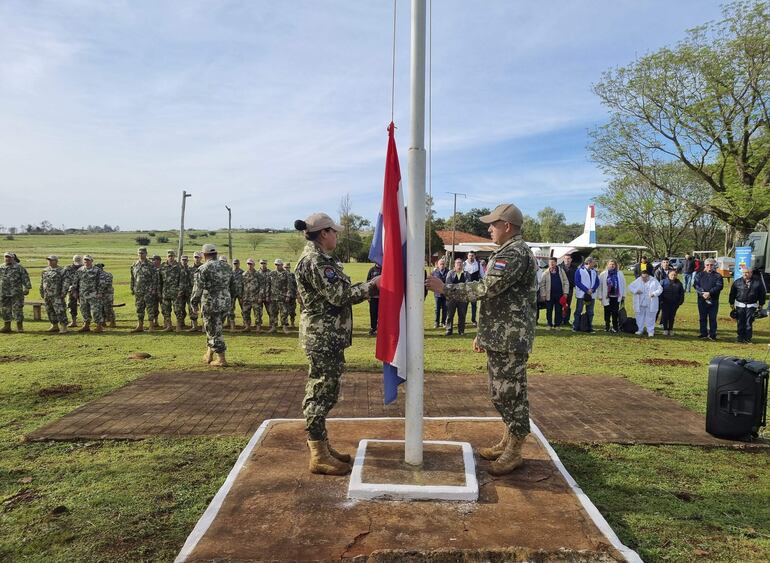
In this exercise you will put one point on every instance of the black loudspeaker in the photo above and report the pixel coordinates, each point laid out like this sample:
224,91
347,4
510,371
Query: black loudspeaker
737,397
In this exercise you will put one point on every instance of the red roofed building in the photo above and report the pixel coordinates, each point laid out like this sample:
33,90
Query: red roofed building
466,242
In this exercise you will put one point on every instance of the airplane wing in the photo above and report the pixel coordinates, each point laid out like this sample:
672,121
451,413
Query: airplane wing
634,246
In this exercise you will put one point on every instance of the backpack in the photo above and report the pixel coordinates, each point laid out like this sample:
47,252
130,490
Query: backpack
629,325
622,316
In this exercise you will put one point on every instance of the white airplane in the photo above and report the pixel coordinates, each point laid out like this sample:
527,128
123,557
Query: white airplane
583,244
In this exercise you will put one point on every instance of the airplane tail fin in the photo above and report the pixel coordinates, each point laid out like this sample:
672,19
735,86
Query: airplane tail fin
589,231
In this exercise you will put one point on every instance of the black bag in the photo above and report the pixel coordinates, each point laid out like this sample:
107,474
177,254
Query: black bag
737,397
622,315
584,322
587,298
629,325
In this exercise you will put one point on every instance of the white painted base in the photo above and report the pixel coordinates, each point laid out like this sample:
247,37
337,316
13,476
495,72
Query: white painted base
387,491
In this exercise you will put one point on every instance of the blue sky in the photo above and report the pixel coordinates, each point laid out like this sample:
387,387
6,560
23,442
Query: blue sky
278,109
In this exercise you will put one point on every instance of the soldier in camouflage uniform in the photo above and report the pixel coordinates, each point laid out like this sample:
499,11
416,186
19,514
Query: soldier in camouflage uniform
211,292
325,330
280,296
88,289
292,305
250,290
154,298
171,292
53,292
263,295
108,295
70,273
14,285
142,284
192,274
237,292
185,285
508,304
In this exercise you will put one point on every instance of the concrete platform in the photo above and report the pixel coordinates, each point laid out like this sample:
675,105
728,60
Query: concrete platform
272,508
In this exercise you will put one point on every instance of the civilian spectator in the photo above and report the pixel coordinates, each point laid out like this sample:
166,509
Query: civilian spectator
612,288
708,284
440,272
472,267
483,268
458,275
569,268
586,284
670,301
642,266
552,287
645,290
661,272
374,300
688,269
747,295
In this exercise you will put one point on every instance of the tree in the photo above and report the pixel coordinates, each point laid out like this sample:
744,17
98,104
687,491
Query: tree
349,240
469,221
704,103
552,225
530,229
255,239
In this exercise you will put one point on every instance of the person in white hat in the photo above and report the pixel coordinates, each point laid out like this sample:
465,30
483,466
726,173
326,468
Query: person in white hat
13,288
52,291
70,273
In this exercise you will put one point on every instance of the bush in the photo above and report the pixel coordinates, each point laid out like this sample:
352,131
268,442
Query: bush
212,233
204,235
152,233
192,236
142,241
10,237
162,239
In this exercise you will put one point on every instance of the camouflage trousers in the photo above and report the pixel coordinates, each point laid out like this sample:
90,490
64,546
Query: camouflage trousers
322,390
177,304
508,389
72,305
248,306
279,308
12,308
231,315
56,309
292,306
189,307
213,324
146,303
91,307
107,307
153,307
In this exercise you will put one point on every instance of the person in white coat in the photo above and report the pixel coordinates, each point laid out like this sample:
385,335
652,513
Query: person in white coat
645,290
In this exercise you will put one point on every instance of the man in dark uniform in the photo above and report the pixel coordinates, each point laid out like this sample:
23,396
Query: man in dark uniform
747,295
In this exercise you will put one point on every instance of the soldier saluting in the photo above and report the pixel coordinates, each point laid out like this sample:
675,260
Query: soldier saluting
213,284
508,301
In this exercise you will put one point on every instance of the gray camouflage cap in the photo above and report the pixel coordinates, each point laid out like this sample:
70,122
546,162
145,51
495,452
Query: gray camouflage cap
208,249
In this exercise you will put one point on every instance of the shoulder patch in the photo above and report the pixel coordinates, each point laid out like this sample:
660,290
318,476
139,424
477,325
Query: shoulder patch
330,274
500,264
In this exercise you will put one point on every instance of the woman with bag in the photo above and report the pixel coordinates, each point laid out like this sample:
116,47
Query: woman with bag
612,287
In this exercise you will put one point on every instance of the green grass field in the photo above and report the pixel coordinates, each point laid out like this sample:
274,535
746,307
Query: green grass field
121,501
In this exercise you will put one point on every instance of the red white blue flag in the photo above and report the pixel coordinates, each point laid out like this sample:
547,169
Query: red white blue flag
389,250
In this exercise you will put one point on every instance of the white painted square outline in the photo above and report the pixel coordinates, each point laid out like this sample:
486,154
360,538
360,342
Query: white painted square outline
357,489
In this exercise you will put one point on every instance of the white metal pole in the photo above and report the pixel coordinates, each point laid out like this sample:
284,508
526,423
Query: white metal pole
415,248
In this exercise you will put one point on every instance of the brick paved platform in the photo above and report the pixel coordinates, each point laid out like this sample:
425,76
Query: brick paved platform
574,409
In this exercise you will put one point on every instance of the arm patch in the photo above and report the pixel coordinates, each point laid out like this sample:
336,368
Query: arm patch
329,274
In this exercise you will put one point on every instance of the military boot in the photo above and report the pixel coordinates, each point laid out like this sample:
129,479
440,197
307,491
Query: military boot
337,455
167,327
246,326
220,362
99,327
209,355
62,328
509,460
53,328
232,325
6,327
74,323
20,326
193,326
180,325
322,462
271,329
258,328
113,324
493,452
155,323
151,326
86,327
139,327
285,329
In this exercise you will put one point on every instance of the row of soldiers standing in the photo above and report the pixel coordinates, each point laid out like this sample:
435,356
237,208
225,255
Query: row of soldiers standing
171,283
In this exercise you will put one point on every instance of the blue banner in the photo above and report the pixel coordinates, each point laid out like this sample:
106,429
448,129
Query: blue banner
742,260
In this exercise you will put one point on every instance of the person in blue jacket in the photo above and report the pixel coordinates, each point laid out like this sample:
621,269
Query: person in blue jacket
586,284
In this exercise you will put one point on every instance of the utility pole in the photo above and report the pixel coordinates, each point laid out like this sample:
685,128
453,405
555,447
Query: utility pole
454,223
185,195
229,233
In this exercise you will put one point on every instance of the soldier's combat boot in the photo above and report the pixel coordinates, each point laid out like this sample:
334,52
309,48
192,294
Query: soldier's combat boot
62,328
180,325
257,328
193,326
493,452
246,326
86,327
74,323
99,327
209,355
167,326
6,327
322,462
139,327
345,458
285,329
509,460
113,324
271,329
53,328
20,326
155,323
220,362
232,325
151,326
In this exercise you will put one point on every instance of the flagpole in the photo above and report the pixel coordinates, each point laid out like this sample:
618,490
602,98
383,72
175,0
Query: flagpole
415,246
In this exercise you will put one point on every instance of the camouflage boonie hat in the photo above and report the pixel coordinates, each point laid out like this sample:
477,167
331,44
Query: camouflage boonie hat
52,257
208,249
141,249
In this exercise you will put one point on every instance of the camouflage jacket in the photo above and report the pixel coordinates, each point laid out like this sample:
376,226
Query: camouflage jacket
70,275
142,277
105,283
237,283
170,280
293,285
280,285
213,284
52,283
12,280
507,298
187,279
25,281
326,324
251,285
264,284
88,283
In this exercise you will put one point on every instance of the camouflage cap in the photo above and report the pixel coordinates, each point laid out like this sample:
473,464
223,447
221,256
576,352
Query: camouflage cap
320,221
208,249
197,255
505,212
185,257
52,257
155,257
8,254
223,258
263,261
171,253
236,261
77,259
250,261
141,250
88,257
278,261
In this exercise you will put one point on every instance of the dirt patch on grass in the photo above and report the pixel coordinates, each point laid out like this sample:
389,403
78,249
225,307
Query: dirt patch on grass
670,362
24,496
139,356
13,358
535,366
59,390
274,351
